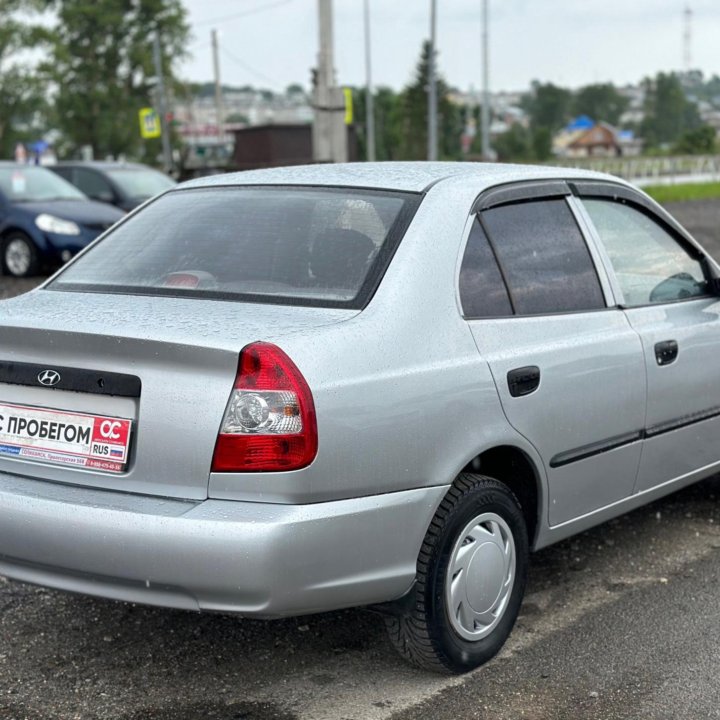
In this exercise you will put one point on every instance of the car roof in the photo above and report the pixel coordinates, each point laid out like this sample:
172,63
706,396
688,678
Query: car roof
20,166
103,165
403,176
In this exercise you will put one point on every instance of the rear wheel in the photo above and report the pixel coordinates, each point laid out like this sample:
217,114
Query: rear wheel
19,255
471,577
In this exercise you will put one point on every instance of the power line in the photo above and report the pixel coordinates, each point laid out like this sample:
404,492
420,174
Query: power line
245,13
249,68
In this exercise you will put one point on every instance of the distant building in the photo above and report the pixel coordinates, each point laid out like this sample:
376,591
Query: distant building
264,146
584,137
505,108
249,106
272,145
635,112
209,144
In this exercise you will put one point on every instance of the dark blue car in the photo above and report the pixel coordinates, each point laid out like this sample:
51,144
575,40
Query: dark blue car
125,185
44,220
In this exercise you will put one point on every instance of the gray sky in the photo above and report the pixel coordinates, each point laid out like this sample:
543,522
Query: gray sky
272,43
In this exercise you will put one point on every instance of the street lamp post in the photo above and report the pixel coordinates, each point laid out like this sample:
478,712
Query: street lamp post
369,100
219,109
485,119
432,87
162,104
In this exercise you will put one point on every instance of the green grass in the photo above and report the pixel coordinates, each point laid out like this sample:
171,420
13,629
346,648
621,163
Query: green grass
680,193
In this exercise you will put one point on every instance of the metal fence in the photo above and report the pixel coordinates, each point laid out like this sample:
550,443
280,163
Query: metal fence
652,170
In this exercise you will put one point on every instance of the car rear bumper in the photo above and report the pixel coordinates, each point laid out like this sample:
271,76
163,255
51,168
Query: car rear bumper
265,560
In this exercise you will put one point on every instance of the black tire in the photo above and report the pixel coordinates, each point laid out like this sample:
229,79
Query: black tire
419,625
13,240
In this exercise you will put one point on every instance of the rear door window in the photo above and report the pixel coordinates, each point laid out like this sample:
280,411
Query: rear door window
307,246
482,289
544,257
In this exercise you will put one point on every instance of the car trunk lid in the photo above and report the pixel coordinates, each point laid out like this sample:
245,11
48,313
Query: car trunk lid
159,369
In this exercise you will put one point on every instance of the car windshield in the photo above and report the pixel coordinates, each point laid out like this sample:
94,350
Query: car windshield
140,182
305,246
36,184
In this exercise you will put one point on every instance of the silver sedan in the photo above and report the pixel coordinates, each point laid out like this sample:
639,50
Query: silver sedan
296,390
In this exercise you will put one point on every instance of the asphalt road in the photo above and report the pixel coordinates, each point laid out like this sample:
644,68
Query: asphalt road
619,622
702,219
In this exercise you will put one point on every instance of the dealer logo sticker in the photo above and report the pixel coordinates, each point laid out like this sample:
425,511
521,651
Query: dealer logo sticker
49,378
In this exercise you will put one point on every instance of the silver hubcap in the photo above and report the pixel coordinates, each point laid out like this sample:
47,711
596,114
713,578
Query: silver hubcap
17,257
481,575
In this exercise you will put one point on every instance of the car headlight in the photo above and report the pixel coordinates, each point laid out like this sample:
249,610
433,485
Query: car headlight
52,224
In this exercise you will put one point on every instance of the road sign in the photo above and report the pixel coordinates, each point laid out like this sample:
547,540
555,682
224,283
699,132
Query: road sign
348,106
149,123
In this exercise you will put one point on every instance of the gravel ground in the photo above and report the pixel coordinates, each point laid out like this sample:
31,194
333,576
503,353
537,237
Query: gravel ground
619,622
10,287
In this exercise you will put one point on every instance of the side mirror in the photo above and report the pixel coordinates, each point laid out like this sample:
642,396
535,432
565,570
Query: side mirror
713,276
104,196
677,287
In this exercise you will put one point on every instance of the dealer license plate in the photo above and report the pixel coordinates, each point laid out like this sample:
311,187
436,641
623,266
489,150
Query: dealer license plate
97,442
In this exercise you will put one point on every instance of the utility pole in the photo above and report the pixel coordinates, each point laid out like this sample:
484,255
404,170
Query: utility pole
687,39
485,117
369,99
219,112
432,87
329,130
162,105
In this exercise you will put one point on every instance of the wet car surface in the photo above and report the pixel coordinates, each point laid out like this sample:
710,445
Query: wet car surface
638,578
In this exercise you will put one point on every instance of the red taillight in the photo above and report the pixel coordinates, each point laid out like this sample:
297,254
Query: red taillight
269,423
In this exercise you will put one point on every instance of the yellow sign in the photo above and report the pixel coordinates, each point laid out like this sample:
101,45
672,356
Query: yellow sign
149,123
348,106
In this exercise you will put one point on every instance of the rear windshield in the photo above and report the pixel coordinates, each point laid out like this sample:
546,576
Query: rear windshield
307,246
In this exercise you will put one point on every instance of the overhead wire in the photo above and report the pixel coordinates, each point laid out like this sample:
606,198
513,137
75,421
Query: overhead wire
248,67
244,13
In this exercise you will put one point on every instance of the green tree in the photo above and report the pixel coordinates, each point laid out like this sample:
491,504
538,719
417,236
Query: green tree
387,125
602,102
700,141
413,116
295,89
548,106
709,90
202,90
668,113
22,91
542,144
102,65
237,117
516,143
